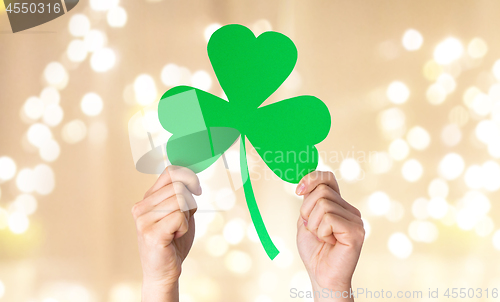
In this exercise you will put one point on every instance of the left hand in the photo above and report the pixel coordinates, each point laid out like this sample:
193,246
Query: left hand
330,233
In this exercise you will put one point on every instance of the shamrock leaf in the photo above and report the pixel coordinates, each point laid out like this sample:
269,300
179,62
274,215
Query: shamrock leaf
249,70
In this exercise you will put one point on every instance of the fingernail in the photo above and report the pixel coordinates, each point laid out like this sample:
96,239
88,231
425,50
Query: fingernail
300,189
305,222
200,190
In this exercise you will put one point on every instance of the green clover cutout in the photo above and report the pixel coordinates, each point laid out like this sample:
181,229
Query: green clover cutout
284,133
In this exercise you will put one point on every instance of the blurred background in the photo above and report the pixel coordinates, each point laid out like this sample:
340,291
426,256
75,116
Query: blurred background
413,88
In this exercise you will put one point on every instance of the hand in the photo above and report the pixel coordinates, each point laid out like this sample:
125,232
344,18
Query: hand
165,231
330,234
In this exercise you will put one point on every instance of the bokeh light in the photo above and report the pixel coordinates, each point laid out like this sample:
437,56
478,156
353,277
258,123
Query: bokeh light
103,5
412,40
436,94
201,80
210,29
103,60
79,25
496,69
25,204
399,149
8,168
117,17
171,75
412,170
451,135
55,74
379,203
91,104
438,188
399,245
33,108
94,40
418,138
350,169
451,166
423,231
53,115
448,51
145,89
50,96
238,262
437,207
477,48
18,223
77,52
74,131
217,246
234,230
398,92
38,134
50,150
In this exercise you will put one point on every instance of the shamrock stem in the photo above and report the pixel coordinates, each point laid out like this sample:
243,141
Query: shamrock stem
253,208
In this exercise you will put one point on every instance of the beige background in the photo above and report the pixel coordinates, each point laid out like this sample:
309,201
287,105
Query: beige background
81,242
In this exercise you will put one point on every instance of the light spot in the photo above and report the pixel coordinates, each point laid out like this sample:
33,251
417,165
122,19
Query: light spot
117,17
451,166
412,40
238,262
91,104
477,48
102,60
448,51
350,169
418,138
400,246
398,92
412,170
399,149
79,25
210,29
145,89
18,223
234,230
8,168
379,203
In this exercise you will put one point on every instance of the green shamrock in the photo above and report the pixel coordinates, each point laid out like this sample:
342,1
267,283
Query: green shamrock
249,70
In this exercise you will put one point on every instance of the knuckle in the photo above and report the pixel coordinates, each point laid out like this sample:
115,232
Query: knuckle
330,175
178,216
323,203
140,225
135,210
303,213
329,218
358,235
178,187
323,189
180,199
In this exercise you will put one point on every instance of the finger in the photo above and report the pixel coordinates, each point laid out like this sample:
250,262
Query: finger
335,229
177,174
172,189
309,182
165,208
324,191
324,206
171,226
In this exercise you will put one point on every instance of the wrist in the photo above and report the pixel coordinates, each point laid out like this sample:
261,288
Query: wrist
154,291
336,291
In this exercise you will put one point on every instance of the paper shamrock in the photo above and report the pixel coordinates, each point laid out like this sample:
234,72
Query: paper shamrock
284,133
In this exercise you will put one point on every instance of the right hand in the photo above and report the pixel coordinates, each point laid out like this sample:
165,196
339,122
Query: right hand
165,226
